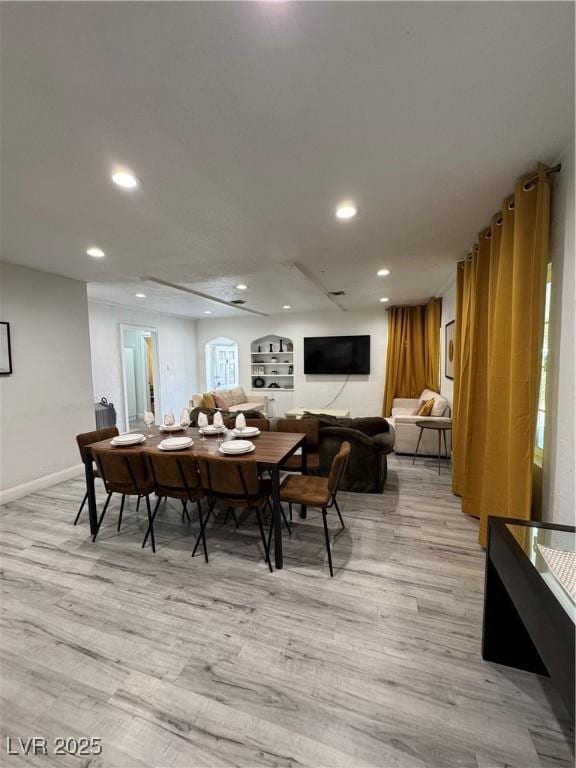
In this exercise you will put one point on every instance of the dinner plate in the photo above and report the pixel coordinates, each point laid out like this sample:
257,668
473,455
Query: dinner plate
243,452
246,432
172,428
122,441
175,443
212,430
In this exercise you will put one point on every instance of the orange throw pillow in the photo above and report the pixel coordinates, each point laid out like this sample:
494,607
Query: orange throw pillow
426,409
208,400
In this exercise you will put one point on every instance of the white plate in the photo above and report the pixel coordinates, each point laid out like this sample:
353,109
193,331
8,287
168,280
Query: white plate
212,430
236,453
175,443
236,446
246,432
128,436
173,428
136,440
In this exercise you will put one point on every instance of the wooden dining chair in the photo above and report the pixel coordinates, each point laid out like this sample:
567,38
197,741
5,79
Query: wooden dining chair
311,428
318,492
237,484
84,440
125,472
177,477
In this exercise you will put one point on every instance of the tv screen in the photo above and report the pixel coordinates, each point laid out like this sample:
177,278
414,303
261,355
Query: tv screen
337,354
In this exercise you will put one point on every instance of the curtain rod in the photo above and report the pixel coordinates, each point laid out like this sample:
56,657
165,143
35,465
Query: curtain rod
549,171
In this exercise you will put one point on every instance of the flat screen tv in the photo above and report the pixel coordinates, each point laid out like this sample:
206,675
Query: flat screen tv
337,354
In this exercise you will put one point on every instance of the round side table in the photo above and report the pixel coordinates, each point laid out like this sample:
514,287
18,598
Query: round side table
441,426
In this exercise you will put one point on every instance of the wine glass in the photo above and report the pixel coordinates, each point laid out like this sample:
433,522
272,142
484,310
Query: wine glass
169,420
202,424
149,421
241,423
185,419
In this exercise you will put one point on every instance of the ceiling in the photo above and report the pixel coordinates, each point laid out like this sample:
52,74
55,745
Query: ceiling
248,122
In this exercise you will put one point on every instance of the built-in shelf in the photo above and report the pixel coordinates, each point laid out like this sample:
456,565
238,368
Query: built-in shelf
261,362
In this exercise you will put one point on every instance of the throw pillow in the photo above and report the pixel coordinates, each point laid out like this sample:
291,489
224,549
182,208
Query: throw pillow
441,407
220,401
197,401
426,409
208,400
238,395
225,395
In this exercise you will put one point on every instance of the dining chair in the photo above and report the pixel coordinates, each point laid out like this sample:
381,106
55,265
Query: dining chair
177,477
125,472
84,440
237,484
311,428
319,492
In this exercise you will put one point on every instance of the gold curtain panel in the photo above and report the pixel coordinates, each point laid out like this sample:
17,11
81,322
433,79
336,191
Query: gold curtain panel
413,356
500,293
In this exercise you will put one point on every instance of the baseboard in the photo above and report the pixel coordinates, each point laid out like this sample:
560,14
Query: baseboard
18,491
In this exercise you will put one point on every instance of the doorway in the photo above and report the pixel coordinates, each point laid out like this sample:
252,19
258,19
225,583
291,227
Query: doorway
139,373
221,363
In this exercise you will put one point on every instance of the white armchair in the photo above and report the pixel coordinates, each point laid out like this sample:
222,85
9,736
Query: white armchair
404,420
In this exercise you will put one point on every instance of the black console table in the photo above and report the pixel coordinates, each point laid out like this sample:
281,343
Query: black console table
529,617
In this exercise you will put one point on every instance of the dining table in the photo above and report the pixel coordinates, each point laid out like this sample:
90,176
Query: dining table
272,450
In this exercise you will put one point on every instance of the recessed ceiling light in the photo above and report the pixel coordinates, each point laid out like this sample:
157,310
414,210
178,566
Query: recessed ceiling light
286,306
207,311
242,287
346,210
96,253
140,295
383,272
384,299
125,179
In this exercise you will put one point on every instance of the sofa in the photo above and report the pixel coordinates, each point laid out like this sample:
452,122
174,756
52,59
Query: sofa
231,400
404,418
227,416
371,439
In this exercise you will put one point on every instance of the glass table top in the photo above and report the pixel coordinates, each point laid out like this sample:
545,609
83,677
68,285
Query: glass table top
553,554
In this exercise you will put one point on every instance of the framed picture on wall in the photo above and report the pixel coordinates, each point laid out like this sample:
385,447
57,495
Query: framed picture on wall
5,350
449,350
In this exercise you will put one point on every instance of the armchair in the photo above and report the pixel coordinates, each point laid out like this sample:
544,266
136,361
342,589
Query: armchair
371,440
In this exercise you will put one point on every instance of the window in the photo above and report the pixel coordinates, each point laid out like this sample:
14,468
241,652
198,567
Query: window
541,418
221,363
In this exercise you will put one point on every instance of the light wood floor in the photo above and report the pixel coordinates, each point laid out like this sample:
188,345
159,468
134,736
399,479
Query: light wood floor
173,662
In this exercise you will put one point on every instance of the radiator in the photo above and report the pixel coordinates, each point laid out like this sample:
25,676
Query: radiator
105,414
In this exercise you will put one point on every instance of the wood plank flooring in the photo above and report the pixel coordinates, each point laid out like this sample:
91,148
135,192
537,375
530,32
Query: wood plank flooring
173,662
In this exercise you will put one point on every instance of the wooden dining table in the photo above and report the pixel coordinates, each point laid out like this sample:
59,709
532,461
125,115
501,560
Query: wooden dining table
273,449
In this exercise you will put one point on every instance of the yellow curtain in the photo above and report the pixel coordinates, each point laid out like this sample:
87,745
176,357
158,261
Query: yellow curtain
461,348
413,355
432,323
499,322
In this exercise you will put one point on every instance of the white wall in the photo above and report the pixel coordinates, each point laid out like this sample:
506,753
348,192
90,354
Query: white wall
448,314
362,395
176,355
559,455
50,392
